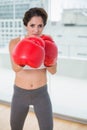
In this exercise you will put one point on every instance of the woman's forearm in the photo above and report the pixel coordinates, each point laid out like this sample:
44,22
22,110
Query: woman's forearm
52,69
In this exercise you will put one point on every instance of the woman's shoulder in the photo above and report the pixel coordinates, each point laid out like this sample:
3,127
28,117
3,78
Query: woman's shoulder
16,40
13,42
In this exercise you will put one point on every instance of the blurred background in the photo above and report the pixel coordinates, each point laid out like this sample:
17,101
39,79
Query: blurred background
67,24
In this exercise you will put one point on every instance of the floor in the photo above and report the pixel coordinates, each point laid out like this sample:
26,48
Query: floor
32,124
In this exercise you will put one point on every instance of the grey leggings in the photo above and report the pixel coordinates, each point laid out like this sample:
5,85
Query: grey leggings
21,100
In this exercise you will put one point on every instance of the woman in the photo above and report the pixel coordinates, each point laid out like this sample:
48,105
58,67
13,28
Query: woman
30,85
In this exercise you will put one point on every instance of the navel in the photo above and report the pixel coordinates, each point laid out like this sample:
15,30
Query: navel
31,85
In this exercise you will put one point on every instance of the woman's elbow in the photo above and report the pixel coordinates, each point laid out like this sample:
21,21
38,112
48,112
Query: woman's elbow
53,72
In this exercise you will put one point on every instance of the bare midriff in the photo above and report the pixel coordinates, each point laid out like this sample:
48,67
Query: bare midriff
31,79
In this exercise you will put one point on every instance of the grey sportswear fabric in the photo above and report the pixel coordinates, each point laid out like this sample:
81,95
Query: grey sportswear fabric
21,101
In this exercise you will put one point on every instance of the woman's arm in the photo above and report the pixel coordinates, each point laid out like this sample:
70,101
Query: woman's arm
52,69
12,44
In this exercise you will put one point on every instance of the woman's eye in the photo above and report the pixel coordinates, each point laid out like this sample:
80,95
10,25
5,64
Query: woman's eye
32,25
41,26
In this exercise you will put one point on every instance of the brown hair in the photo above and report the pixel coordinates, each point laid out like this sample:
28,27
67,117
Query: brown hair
35,12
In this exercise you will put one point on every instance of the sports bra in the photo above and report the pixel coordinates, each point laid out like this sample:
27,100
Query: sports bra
26,67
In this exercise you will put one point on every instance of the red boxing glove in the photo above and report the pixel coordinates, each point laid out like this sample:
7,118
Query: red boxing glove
29,51
38,41
51,51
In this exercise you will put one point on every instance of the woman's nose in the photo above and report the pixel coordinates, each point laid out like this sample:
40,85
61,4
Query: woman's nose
36,29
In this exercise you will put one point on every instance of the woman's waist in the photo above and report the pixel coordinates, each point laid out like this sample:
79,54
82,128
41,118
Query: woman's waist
20,90
30,83
31,79
30,86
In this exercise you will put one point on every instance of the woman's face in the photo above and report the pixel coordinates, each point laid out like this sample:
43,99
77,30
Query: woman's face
35,26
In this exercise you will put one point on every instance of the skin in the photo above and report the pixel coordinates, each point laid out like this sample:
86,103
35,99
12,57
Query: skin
30,79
